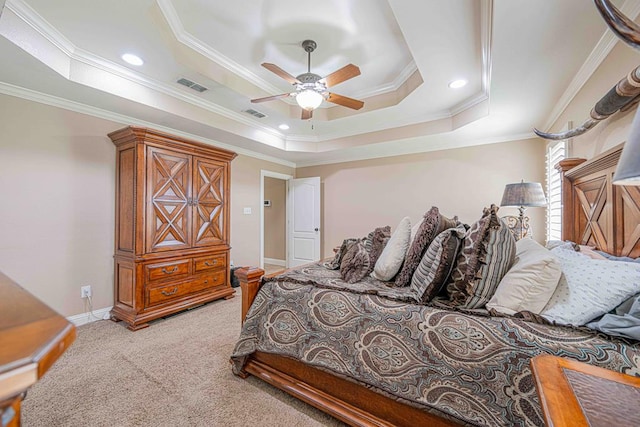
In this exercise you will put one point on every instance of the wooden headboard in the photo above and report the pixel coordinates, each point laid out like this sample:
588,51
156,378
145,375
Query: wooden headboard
594,211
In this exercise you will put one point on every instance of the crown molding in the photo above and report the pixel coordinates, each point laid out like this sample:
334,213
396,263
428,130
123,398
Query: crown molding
604,46
486,37
360,153
50,33
187,39
486,43
26,13
175,92
392,86
54,101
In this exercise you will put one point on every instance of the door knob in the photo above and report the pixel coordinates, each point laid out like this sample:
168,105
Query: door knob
315,229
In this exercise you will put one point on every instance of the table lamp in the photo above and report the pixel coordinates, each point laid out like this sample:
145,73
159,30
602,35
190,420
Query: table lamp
524,195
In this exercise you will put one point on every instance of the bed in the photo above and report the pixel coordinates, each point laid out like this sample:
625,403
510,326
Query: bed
367,356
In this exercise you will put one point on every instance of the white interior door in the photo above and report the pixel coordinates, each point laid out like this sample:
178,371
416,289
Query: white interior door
304,221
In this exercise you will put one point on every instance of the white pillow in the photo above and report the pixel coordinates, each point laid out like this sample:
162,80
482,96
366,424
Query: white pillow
529,283
393,253
588,288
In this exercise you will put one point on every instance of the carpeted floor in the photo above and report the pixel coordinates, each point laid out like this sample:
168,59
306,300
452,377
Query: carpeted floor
174,373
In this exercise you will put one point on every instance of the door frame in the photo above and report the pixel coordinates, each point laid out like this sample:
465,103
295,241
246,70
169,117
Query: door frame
286,178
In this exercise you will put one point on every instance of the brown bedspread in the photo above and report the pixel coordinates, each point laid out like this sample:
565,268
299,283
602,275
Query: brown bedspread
471,368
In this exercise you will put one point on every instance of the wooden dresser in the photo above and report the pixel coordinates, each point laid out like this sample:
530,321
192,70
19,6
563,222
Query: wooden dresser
32,338
172,225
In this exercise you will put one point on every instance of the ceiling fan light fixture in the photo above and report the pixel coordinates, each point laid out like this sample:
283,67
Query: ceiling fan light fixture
309,99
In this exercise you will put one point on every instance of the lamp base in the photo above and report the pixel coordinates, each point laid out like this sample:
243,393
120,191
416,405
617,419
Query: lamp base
519,226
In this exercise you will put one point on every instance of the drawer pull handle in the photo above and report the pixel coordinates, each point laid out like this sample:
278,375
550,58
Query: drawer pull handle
206,281
173,270
168,294
211,264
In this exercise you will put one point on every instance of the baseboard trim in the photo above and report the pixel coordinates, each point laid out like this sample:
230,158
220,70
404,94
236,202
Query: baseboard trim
280,262
84,318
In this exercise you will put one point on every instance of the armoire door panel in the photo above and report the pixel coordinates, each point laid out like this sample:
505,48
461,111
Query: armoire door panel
209,210
168,210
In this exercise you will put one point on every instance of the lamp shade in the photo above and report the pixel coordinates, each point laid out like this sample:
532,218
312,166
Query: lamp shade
309,99
628,170
528,194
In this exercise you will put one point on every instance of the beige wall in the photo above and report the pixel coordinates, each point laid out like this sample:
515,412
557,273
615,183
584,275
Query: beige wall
359,196
613,131
275,190
245,192
57,191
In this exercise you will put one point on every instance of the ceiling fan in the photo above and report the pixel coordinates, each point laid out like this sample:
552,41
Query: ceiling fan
311,89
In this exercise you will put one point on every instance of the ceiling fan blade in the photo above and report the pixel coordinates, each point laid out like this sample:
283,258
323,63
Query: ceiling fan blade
306,114
345,73
280,72
271,98
345,101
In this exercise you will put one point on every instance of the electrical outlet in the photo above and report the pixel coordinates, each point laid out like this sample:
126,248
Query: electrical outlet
85,291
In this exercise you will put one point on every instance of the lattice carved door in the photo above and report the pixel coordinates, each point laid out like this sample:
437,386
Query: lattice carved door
209,204
595,224
168,210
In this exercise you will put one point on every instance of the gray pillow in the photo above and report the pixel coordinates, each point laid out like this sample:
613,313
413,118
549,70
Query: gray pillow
488,252
436,264
334,264
433,223
355,263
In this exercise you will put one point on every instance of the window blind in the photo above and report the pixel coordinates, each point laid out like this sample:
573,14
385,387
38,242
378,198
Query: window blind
555,153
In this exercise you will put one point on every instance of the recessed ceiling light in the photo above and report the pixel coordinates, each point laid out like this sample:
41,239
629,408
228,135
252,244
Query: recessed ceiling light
457,84
284,126
132,59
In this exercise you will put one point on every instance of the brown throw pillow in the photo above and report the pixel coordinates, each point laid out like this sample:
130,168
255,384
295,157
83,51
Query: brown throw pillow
377,240
355,263
334,264
488,251
436,264
432,225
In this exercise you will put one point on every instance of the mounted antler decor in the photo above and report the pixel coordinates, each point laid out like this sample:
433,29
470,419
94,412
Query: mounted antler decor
624,95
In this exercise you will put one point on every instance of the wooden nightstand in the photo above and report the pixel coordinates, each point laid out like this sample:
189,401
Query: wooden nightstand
577,394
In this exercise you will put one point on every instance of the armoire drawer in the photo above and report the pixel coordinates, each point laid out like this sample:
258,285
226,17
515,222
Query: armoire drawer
167,270
160,294
213,262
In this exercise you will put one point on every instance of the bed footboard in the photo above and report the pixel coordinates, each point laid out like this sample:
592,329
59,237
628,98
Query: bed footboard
249,278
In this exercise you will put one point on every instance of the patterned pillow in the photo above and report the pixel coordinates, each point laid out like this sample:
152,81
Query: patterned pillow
334,264
433,224
375,243
588,288
436,264
487,254
355,263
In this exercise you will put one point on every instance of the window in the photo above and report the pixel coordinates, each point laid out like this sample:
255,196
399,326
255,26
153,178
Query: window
555,153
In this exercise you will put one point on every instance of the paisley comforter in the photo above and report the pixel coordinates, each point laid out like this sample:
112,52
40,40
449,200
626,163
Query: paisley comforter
472,368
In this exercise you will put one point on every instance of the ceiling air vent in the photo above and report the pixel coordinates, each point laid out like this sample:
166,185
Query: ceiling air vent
255,113
193,85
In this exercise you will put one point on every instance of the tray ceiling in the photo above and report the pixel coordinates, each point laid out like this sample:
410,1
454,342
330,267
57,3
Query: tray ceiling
69,53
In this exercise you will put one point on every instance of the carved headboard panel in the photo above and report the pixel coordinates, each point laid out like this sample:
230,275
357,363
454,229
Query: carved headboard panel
594,211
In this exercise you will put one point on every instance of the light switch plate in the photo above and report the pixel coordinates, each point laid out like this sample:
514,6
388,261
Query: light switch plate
247,211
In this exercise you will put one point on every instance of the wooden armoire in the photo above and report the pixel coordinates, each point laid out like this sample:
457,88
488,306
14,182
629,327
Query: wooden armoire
172,225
